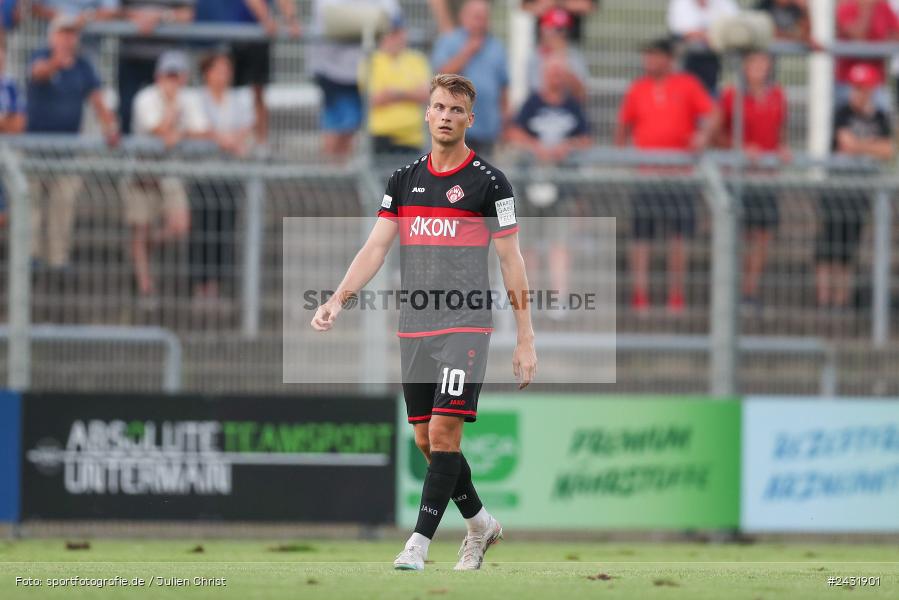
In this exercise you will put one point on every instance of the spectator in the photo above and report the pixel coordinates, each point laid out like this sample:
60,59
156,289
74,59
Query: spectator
764,118
12,114
864,20
555,26
138,56
446,14
791,20
60,81
86,11
473,52
214,204
335,66
163,110
672,111
9,14
861,129
550,126
689,21
577,10
398,81
252,60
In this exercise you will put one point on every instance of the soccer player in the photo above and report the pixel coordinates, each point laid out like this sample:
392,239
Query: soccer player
446,208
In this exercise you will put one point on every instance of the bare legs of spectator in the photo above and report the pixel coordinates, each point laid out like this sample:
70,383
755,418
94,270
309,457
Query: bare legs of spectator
757,241
639,258
53,202
261,114
677,270
834,284
177,224
338,145
559,268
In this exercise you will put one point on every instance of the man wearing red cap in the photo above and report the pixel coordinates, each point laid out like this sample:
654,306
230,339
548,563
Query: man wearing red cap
861,129
864,21
576,10
555,27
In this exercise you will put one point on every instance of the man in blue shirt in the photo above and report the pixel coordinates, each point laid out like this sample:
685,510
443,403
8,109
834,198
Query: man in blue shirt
472,52
12,114
60,80
87,11
9,14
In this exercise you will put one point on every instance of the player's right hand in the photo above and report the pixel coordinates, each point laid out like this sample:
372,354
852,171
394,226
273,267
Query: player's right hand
325,316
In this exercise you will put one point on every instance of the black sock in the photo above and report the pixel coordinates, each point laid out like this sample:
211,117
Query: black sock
439,484
465,496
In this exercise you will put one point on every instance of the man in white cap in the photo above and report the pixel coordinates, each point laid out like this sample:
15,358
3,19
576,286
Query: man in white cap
60,80
166,111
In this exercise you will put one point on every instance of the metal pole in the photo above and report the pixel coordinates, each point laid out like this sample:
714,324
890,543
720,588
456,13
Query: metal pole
374,322
725,277
820,81
521,47
19,349
880,267
252,256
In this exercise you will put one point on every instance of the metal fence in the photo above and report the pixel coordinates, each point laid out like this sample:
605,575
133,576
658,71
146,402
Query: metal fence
787,336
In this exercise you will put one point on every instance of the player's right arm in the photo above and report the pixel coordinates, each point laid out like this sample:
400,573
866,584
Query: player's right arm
366,264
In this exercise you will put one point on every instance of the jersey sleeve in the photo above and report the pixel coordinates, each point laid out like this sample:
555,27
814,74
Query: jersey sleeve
500,207
388,208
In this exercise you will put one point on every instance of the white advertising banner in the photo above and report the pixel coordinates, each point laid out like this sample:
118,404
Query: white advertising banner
820,465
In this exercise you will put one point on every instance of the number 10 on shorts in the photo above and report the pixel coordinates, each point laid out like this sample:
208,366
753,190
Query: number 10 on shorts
454,379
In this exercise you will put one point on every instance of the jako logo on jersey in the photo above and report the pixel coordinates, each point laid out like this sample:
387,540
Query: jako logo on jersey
455,194
434,227
428,509
418,190
457,402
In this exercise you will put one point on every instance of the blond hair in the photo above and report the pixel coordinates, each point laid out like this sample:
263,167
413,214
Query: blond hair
455,85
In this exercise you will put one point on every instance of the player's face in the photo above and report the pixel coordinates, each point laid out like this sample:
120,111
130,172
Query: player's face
448,117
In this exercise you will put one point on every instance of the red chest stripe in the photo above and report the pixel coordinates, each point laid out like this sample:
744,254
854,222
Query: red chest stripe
441,226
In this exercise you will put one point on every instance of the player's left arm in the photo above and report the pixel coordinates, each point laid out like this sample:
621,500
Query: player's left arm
515,279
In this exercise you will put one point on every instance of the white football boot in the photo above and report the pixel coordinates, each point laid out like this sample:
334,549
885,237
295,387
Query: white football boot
412,558
475,545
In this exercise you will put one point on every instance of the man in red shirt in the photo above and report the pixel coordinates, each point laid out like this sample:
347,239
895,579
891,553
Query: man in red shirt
663,110
864,21
764,118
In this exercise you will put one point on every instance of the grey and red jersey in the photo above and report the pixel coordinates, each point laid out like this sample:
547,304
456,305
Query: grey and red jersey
446,223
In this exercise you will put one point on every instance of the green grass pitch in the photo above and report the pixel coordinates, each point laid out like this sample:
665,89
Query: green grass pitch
513,570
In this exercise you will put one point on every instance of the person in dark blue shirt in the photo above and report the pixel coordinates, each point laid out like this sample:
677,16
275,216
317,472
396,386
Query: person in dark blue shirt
12,115
60,80
9,14
550,126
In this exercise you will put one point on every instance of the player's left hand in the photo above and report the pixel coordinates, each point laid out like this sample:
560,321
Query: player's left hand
524,364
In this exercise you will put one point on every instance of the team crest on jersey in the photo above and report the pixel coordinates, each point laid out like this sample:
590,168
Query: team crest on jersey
455,194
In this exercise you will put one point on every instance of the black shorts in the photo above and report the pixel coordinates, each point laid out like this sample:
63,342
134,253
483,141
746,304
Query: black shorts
252,64
443,375
842,215
759,208
666,208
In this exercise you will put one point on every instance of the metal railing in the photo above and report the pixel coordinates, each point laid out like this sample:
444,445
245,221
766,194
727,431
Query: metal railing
242,350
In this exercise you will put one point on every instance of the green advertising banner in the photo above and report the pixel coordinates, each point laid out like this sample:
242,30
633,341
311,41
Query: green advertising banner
575,462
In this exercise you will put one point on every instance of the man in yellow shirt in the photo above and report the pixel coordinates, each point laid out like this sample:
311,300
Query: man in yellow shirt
398,84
